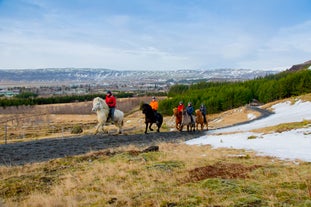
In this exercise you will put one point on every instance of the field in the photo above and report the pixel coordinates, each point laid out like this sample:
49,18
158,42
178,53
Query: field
175,175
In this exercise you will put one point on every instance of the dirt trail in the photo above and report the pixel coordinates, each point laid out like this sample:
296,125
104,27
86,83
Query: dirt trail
47,149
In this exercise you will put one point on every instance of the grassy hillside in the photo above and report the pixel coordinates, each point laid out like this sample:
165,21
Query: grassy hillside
176,175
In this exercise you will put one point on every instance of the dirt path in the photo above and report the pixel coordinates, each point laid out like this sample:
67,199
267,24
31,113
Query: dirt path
47,149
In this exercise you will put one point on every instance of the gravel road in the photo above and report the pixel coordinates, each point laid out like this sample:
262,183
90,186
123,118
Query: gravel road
47,149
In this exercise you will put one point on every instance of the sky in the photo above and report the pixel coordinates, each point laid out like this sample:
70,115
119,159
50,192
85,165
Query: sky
288,145
154,34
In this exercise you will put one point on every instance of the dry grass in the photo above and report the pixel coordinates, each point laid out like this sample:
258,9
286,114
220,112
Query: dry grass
176,175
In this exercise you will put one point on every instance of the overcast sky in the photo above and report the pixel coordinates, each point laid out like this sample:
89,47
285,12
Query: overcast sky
154,34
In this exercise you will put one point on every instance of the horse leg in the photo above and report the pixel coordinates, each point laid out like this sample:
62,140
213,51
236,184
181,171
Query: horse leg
119,125
158,125
146,128
99,126
150,127
181,126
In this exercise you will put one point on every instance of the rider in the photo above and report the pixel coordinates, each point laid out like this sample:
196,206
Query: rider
154,104
111,102
180,107
203,111
190,111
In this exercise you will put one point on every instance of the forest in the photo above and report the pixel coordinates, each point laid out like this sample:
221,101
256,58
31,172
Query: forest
222,96
29,98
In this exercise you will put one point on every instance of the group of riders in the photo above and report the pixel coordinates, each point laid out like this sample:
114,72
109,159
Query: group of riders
190,110
111,102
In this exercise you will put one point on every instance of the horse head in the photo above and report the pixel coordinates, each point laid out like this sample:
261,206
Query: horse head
175,111
198,112
98,104
146,109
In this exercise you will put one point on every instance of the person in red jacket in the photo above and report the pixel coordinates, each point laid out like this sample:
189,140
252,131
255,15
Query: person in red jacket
180,107
111,102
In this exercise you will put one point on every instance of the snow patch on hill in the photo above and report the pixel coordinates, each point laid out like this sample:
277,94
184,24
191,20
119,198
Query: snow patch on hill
293,144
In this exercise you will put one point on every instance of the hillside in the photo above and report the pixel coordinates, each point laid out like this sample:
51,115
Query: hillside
301,66
109,170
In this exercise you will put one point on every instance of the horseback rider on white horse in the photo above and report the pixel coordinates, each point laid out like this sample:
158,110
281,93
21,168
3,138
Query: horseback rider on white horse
111,102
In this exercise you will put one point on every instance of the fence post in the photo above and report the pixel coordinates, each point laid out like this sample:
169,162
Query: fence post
5,132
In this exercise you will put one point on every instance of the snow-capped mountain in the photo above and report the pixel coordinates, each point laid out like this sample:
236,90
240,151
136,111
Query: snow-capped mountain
89,75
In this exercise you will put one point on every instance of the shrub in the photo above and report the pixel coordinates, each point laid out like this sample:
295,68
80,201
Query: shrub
76,130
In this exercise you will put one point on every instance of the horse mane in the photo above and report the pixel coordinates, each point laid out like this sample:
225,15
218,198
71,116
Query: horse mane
102,101
147,107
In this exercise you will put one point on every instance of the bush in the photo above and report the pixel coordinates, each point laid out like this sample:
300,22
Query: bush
76,130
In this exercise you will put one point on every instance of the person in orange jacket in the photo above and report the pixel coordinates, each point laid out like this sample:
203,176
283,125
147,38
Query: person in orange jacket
154,104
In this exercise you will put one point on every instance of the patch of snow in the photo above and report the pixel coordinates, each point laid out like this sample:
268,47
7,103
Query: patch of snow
293,144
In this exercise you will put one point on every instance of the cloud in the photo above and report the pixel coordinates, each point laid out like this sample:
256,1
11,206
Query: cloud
146,35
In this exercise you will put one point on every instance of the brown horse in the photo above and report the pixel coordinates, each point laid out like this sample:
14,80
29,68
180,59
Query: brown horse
178,118
186,121
200,120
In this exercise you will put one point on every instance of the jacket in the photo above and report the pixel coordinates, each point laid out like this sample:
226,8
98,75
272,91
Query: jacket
180,107
154,105
111,101
190,110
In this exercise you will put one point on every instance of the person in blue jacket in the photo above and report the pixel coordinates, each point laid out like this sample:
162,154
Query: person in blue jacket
190,111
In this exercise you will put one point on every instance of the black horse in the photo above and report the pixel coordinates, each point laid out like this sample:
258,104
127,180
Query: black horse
151,117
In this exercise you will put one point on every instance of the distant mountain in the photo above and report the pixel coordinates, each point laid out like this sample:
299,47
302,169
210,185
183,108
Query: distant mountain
108,76
301,66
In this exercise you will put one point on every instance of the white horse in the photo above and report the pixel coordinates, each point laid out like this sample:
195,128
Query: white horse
102,110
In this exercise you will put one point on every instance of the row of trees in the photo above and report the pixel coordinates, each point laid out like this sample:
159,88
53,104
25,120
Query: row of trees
28,98
222,96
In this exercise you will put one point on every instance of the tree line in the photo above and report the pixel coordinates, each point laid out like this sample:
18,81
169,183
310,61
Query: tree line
222,96
29,98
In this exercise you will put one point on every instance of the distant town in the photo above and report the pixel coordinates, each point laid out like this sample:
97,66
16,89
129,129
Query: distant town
68,81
